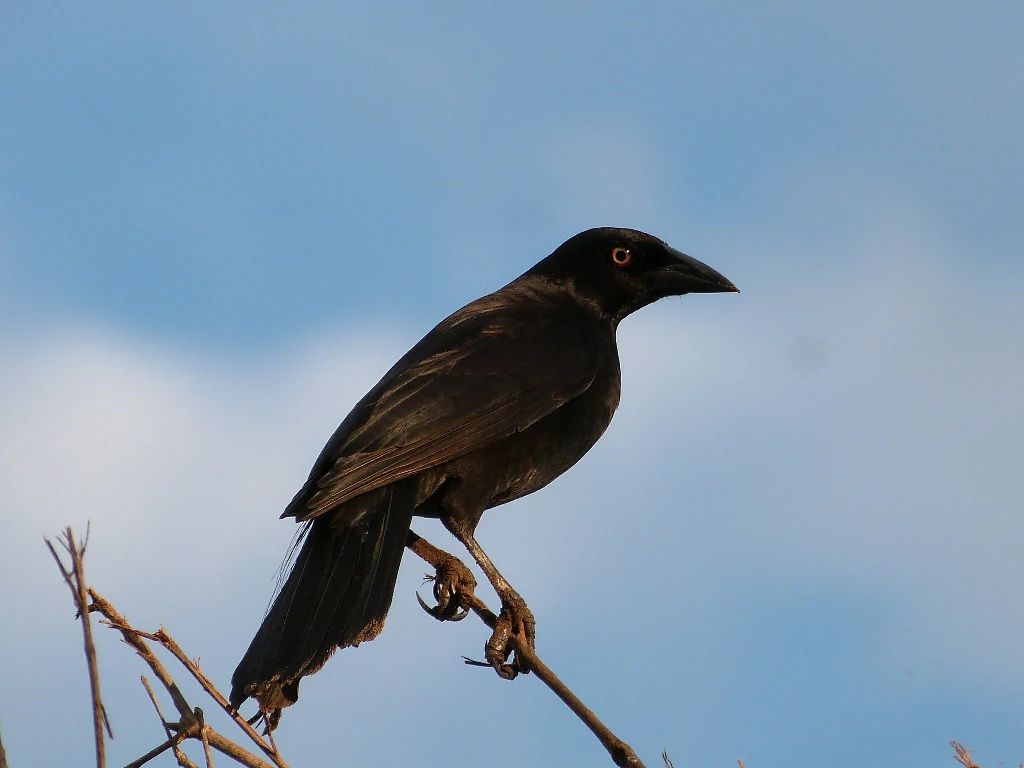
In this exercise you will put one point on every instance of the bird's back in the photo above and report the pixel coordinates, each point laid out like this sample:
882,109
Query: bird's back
486,374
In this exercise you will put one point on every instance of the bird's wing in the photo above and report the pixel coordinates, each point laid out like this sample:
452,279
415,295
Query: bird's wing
490,383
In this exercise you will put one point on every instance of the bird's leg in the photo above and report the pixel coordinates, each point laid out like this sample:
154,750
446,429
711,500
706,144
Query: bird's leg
515,619
452,580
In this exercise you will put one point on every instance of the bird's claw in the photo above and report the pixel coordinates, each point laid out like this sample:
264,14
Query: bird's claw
515,620
452,582
440,615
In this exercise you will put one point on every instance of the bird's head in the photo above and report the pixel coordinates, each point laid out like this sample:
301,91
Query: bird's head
618,271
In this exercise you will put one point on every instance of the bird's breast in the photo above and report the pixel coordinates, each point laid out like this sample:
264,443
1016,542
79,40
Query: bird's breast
529,460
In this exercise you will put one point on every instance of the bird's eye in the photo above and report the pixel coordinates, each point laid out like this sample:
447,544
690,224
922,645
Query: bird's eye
621,257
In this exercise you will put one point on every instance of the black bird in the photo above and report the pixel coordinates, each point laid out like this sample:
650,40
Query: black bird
494,403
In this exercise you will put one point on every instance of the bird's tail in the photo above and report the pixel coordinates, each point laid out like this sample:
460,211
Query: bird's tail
337,594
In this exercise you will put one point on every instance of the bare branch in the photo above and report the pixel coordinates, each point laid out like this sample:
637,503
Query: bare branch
133,638
963,756
235,752
621,753
137,640
171,743
161,636
75,579
204,736
180,756
191,723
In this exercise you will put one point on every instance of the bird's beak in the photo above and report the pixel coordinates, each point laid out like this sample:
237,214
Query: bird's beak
685,274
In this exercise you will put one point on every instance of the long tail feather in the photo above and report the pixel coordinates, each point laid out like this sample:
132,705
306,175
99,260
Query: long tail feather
337,594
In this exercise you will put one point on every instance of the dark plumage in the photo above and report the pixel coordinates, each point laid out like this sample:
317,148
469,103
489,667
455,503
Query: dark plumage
494,403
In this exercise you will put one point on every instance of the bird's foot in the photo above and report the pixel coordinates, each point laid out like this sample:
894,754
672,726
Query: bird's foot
452,582
516,624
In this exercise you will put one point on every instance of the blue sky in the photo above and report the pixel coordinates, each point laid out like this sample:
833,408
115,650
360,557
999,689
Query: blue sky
798,542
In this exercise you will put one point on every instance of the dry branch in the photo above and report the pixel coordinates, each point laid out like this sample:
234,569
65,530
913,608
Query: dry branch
191,723
962,755
75,579
621,753
180,756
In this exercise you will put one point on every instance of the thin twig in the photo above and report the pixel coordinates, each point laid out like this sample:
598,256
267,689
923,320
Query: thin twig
963,755
621,753
664,757
137,640
270,738
164,639
206,748
180,756
191,724
171,743
204,736
134,639
75,579
161,636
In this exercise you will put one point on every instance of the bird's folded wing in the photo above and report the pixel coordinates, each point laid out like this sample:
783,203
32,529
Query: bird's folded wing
454,402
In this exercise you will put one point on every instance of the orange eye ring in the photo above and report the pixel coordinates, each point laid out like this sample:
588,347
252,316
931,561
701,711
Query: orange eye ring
621,257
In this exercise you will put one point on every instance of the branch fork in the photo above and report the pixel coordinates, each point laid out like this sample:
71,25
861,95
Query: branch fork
191,723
